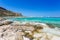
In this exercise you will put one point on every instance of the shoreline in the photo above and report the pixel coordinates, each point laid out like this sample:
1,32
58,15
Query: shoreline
21,30
27,17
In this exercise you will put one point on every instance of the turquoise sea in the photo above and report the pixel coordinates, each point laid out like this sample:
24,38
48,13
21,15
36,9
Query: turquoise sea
55,21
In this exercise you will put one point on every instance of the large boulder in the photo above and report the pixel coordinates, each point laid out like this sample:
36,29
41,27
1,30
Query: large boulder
5,22
2,19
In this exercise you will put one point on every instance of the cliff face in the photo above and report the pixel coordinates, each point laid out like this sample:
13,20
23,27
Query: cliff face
5,12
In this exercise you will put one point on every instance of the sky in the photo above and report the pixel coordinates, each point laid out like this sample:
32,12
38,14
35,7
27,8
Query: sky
35,8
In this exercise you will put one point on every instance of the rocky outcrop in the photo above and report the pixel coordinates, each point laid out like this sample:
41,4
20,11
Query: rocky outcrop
14,30
4,12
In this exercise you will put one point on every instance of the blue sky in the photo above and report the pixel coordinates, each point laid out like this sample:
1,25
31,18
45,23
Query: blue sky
33,7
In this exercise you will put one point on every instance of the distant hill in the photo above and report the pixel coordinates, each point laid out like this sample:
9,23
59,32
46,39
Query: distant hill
5,12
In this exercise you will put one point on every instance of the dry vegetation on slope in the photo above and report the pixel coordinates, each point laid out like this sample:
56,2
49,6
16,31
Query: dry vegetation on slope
4,12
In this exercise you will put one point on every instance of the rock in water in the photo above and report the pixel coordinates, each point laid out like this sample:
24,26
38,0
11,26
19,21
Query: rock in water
18,31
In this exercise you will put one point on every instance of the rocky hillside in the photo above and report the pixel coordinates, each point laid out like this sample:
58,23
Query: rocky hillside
5,12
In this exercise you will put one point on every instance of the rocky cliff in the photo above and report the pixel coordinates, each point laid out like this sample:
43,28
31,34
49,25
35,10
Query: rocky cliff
4,12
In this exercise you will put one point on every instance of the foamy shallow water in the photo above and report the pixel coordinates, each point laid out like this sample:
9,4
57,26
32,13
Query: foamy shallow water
51,33
46,33
55,21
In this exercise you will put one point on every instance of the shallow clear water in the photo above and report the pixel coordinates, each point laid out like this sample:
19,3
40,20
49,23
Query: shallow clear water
52,20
